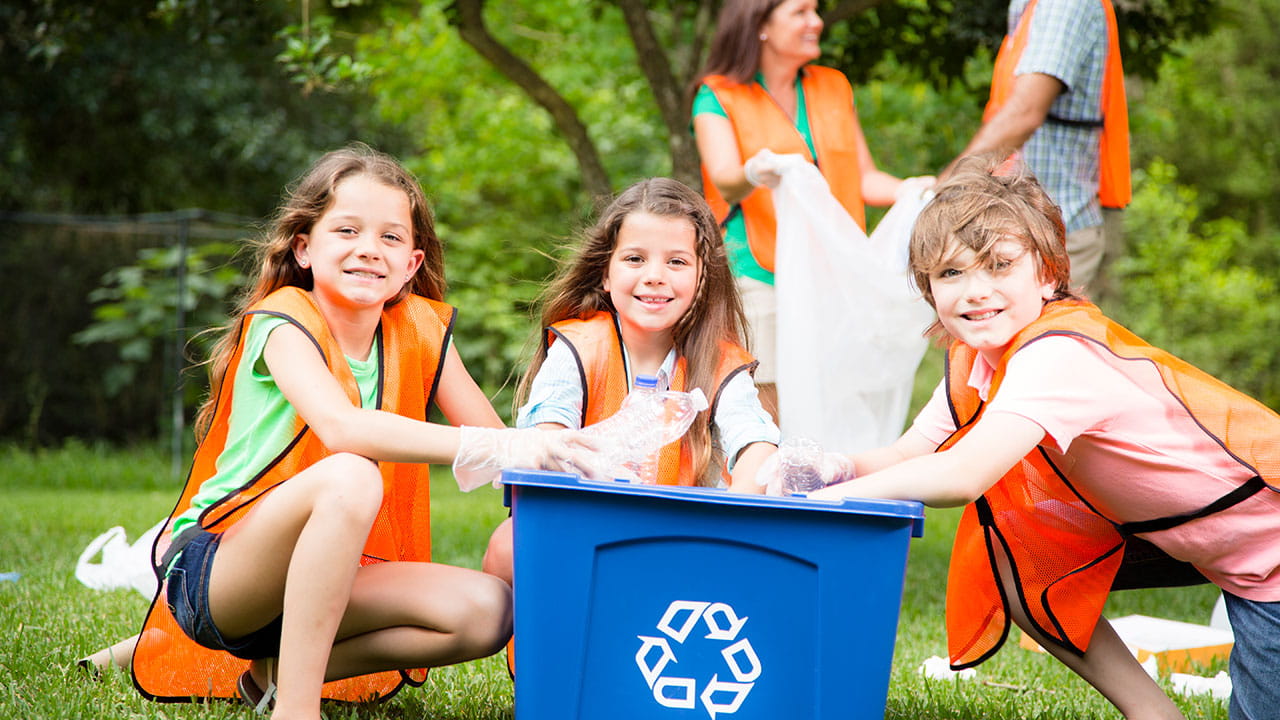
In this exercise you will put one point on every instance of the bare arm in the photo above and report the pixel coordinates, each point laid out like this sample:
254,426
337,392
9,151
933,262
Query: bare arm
460,398
953,477
909,445
748,464
719,150
1023,113
305,381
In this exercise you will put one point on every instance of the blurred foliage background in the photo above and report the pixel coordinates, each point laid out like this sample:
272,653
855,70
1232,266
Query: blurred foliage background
519,116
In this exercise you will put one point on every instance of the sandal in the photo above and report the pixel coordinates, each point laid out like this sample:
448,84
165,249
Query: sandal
255,697
90,668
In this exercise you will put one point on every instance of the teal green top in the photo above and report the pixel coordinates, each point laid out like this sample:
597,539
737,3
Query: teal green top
741,261
262,421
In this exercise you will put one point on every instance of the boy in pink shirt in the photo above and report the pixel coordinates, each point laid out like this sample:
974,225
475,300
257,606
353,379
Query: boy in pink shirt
1073,444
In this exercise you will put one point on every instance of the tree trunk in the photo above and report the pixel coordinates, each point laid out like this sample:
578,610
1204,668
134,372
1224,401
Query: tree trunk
668,91
468,17
668,86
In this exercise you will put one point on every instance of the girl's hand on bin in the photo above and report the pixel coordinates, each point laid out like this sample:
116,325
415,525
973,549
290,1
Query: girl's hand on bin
483,453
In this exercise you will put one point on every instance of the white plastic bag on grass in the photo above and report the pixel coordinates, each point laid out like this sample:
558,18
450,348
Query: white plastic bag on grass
850,322
122,565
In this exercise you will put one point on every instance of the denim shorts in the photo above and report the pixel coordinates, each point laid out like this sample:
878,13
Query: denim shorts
1255,659
188,600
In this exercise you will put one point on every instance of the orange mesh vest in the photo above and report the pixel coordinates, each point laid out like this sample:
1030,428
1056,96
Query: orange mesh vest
167,665
1113,162
1065,555
759,123
596,343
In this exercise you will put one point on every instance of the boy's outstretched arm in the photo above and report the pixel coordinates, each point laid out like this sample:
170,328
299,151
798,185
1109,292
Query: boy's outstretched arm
950,478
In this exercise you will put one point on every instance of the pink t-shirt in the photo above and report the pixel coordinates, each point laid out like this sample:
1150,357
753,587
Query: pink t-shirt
1129,447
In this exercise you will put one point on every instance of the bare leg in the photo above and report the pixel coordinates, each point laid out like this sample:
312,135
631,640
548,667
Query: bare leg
404,615
117,655
297,552
1107,665
499,558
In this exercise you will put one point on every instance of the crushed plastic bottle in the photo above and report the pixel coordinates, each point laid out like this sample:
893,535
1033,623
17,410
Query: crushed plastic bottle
799,464
648,420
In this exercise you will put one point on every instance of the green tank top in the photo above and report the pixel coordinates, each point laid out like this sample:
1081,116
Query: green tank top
262,421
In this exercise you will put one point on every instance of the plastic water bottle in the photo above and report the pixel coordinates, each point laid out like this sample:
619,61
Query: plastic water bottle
648,420
800,460
644,396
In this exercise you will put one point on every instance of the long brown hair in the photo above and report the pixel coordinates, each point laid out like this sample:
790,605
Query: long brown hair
735,46
714,316
304,202
988,199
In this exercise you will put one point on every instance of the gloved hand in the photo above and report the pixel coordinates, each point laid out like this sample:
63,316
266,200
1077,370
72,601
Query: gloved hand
483,453
766,167
801,466
914,186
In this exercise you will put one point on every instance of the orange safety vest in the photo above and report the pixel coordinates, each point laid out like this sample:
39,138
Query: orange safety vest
1064,554
1114,189
759,123
167,665
596,343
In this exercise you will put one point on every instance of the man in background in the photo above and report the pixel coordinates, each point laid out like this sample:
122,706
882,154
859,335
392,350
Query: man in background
1057,94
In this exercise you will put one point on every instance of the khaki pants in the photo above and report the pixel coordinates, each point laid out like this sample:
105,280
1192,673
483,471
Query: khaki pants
1090,248
760,304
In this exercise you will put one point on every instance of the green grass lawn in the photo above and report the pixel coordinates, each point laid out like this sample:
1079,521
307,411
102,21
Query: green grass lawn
57,501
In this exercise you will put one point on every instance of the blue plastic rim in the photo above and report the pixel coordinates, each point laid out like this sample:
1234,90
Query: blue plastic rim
673,603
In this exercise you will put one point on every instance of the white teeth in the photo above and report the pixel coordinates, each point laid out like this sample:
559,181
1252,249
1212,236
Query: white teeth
983,316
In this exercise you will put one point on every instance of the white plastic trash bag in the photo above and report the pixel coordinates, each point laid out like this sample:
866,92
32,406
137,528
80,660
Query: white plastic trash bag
892,234
850,321
121,565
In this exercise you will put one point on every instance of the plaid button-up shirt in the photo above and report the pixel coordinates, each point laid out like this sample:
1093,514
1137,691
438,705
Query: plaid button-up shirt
1068,40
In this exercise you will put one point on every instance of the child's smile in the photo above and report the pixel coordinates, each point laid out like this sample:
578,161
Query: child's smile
652,276
984,302
361,250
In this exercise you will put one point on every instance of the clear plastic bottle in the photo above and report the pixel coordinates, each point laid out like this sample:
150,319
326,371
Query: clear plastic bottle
648,420
800,463
644,397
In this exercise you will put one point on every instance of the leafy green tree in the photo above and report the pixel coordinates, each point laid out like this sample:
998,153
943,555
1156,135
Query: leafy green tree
506,192
116,106
1204,239
1213,113
670,40
136,305
1184,286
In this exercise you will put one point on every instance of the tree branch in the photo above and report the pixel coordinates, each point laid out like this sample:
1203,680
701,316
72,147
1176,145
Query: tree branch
667,90
468,17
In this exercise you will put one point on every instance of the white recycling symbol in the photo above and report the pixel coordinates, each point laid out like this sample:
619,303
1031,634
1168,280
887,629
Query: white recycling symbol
722,625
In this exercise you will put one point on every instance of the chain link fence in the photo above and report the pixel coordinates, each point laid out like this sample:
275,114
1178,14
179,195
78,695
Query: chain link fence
54,387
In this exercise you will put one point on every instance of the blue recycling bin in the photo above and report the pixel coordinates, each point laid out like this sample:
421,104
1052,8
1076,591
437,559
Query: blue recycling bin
667,603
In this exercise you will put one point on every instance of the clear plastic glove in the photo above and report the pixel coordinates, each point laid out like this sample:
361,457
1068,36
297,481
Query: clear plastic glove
766,167
914,186
483,453
800,466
